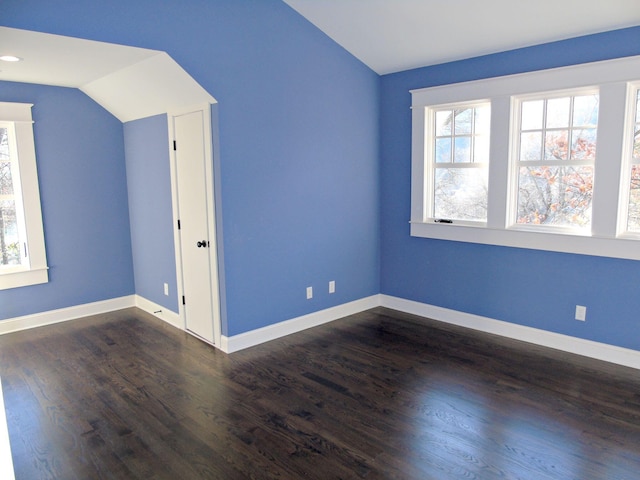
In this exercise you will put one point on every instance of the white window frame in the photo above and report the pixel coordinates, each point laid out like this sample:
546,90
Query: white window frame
515,163
613,79
633,91
432,166
34,270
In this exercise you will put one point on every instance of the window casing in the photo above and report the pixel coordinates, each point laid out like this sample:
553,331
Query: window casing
601,228
22,252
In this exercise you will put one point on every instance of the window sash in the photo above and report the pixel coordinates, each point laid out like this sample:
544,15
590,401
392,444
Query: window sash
631,164
474,133
543,124
16,198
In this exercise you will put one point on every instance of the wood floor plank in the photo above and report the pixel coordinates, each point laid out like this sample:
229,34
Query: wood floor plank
377,395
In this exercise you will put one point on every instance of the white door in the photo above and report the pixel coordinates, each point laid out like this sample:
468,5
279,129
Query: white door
193,185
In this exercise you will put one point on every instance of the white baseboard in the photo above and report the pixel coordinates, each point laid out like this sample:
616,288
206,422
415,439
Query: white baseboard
63,314
287,327
159,311
579,346
587,348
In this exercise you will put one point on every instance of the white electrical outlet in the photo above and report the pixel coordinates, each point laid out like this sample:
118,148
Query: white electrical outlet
166,289
332,286
309,293
581,313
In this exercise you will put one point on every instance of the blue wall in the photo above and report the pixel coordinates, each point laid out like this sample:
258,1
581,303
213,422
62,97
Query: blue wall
298,143
313,174
149,186
533,288
81,169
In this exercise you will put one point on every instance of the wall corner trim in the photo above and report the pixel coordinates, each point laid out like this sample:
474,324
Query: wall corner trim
63,314
287,327
587,348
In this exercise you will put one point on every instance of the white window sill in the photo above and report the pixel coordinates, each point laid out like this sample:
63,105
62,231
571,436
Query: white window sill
621,247
23,277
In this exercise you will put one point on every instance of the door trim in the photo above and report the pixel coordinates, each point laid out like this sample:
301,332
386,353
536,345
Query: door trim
210,194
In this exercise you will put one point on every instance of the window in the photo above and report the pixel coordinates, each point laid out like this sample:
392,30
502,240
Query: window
22,255
539,160
555,160
633,213
458,161
11,218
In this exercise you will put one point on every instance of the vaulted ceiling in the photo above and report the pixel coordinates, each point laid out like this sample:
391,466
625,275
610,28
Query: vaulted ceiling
386,35
394,35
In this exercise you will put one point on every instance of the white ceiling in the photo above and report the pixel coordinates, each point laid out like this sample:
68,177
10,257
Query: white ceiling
394,35
129,82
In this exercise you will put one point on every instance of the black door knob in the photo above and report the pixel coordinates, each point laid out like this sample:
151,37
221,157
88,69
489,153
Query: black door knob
203,243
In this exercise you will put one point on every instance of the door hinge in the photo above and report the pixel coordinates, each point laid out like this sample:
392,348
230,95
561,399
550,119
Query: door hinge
178,224
175,147
183,300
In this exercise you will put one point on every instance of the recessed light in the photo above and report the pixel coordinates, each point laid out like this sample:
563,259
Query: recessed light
10,58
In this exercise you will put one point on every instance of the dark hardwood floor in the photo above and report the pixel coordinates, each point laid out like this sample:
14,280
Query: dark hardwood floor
375,395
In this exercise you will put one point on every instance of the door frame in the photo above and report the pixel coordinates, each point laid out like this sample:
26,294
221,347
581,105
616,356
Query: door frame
212,223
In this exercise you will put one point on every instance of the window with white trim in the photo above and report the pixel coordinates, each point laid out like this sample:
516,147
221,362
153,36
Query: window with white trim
633,208
22,254
458,160
554,159
562,172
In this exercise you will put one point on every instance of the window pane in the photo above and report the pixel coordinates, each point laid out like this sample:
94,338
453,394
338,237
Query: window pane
463,121
443,122
532,114
555,195
583,144
9,240
6,183
633,223
461,193
585,111
558,112
483,120
556,145
636,129
443,150
4,144
531,146
462,150
481,149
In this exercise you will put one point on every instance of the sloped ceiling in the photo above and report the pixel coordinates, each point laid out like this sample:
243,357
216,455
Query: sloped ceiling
386,35
394,35
129,82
